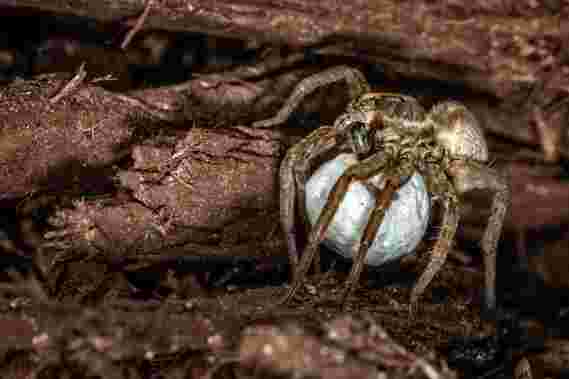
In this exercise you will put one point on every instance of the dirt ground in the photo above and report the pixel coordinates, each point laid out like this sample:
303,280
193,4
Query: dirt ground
190,336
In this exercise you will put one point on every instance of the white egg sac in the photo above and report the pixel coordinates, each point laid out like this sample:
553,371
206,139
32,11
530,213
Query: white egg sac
404,224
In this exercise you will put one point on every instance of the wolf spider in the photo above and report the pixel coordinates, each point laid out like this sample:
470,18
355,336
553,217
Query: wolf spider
392,135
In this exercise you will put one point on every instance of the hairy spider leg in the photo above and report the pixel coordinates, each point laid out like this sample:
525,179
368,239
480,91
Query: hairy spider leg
468,176
361,171
383,201
356,82
438,254
293,175
500,204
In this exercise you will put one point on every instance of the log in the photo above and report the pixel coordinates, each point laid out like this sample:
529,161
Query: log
185,189
497,47
50,146
211,194
68,144
513,51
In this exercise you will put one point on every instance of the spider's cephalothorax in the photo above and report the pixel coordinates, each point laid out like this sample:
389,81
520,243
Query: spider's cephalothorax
391,135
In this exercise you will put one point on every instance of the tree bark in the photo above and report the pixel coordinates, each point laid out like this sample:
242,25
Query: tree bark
497,47
201,191
515,51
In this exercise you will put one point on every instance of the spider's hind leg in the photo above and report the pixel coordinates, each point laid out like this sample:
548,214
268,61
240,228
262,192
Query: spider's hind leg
467,176
357,86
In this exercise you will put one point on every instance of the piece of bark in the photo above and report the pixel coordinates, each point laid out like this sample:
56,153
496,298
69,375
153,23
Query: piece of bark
72,144
213,193
54,146
514,51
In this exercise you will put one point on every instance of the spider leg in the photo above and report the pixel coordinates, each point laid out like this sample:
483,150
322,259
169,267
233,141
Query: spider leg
383,200
468,176
293,173
364,170
491,238
440,251
357,85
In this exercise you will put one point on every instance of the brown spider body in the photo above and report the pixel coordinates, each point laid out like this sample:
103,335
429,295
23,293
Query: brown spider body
393,135
456,129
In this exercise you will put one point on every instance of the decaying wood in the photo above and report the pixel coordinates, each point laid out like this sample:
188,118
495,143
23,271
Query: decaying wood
512,50
218,197
46,146
493,46
189,190
222,197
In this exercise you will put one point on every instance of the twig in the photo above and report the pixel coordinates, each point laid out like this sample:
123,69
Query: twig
71,85
150,109
137,26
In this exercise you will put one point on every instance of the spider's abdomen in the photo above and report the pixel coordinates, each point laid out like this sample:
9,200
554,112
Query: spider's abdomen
458,131
404,224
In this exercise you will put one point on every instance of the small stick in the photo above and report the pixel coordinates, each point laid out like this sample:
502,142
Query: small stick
71,85
137,26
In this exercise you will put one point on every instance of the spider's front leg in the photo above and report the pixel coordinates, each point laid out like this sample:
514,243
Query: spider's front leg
362,171
293,173
383,200
471,175
356,82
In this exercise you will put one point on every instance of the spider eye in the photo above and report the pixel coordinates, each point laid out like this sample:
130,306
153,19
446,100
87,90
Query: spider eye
360,138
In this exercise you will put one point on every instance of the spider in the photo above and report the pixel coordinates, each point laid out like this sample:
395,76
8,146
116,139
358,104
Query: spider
391,135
